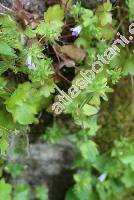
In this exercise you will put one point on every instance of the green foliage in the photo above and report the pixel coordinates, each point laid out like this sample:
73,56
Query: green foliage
89,151
54,133
32,62
54,13
104,13
10,34
50,30
130,4
128,67
15,169
30,33
52,27
48,88
6,50
19,146
89,110
115,75
5,190
76,10
43,70
24,104
41,193
21,191
6,129
3,144
82,188
70,195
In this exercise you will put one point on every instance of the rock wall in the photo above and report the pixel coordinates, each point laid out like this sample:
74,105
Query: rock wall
49,164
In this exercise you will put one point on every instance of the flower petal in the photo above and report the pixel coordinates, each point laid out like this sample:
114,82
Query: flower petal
32,66
29,60
102,177
76,30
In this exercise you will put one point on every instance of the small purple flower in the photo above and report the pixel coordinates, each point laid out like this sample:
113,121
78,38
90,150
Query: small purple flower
76,30
102,177
29,63
28,60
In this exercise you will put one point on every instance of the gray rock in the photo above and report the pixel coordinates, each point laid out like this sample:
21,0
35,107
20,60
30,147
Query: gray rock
36,6
7,3
49,164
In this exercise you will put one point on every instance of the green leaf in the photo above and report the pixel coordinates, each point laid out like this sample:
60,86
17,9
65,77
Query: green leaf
3,145
4,66
15,169
50,30
88,18
83,186
6,50
89,110
54,13
115,75
54,133
3,82
108,32
89,150
101,191
30,32
42,192
71,195
24,114
24,104
21,192
95,100
47,89
131,9
5,190
104,14
129,66
128,179
107,6
93,126
105,18
7,127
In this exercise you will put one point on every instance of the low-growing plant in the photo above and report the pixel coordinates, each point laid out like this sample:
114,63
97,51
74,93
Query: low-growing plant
40,58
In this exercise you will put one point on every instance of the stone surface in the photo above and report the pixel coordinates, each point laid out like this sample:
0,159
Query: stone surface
7,3
36,6
50,164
